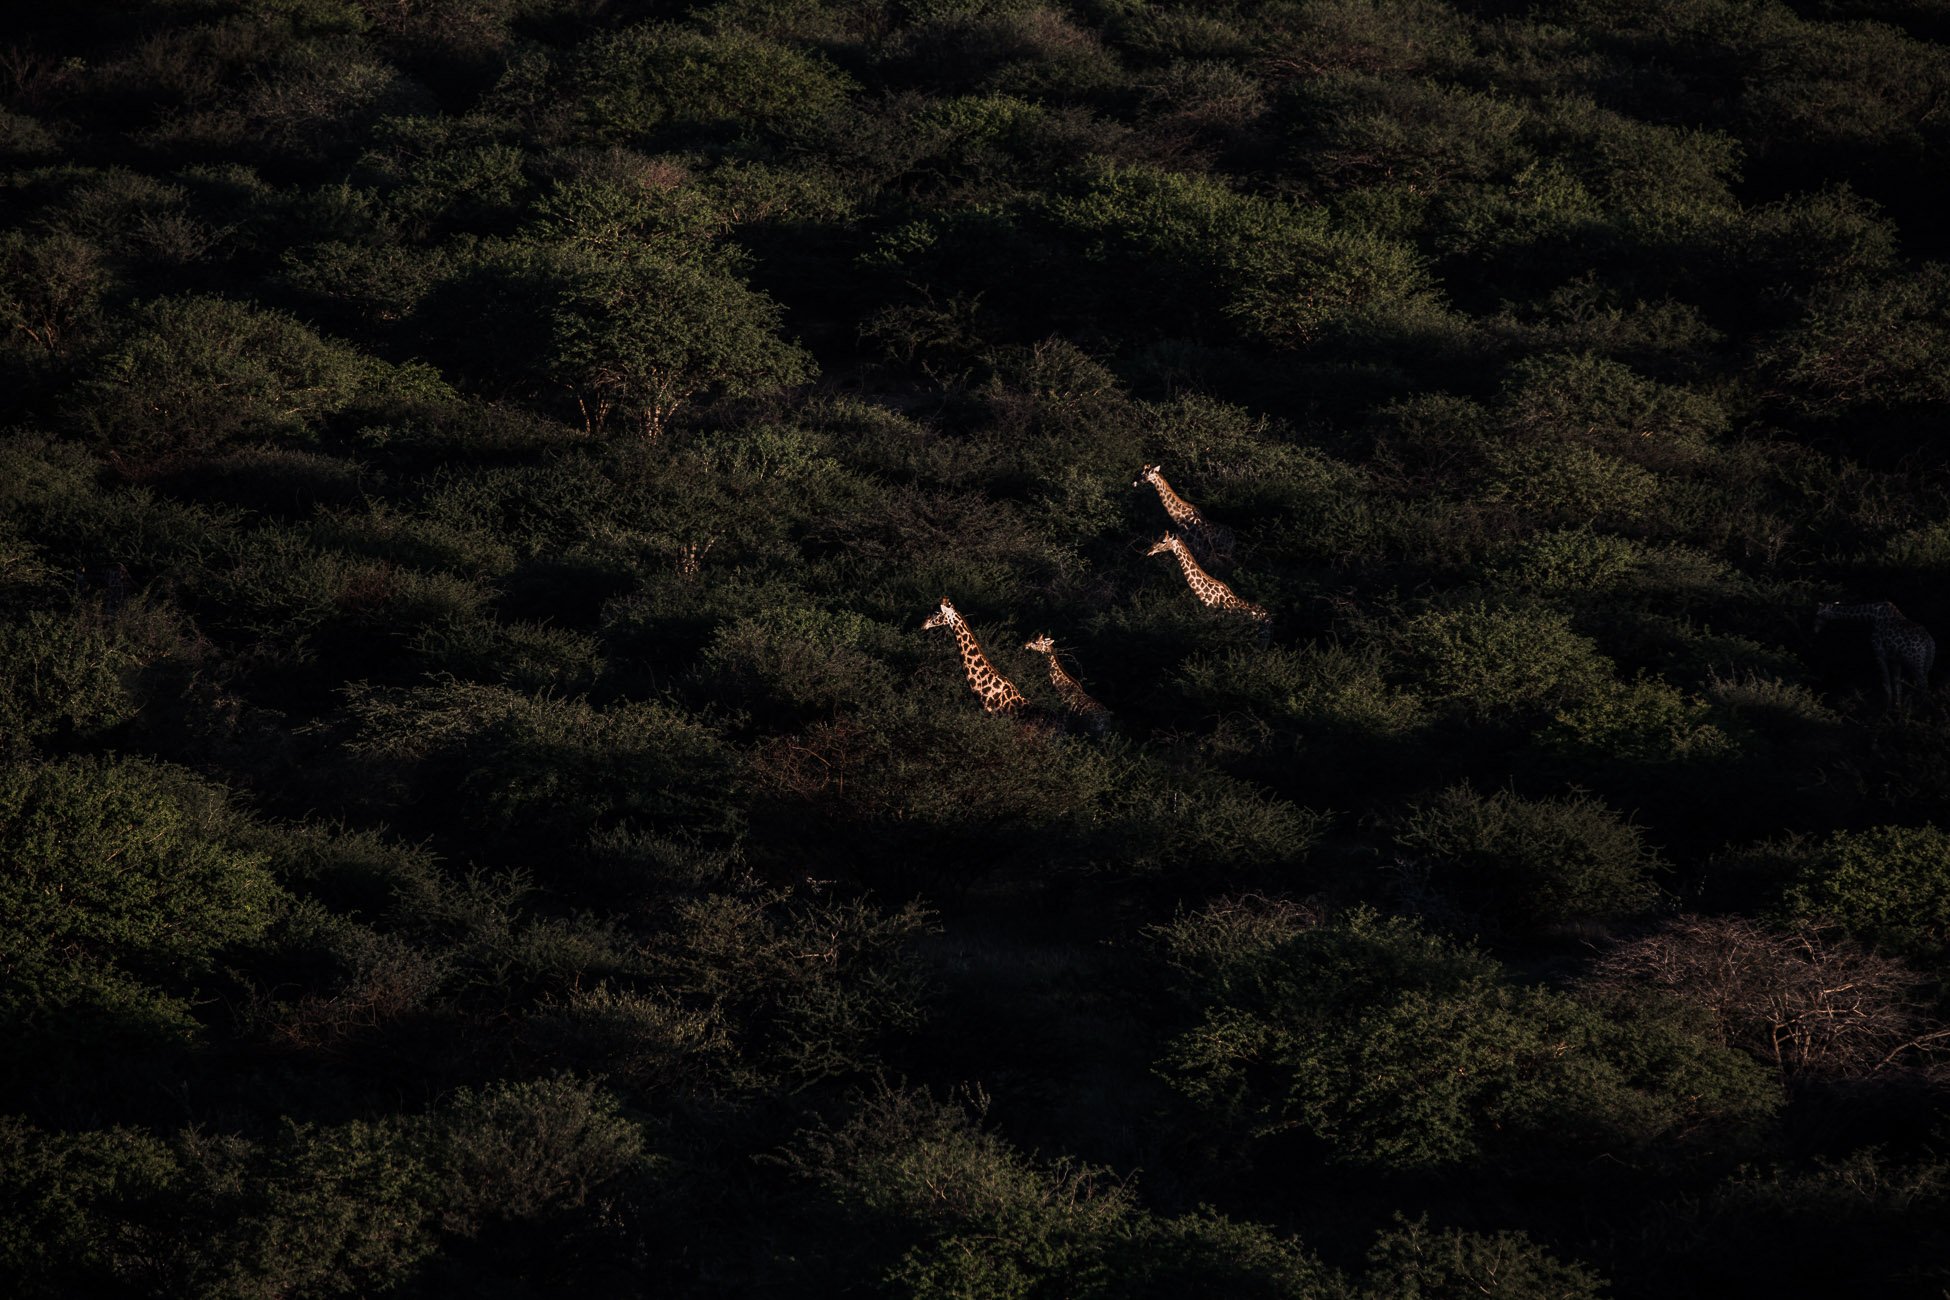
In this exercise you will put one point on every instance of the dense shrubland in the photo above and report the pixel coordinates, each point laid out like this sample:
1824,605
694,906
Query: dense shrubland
479,813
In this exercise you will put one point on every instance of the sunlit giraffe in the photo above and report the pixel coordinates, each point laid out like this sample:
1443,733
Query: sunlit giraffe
1210,542
1089,714
1212,593
1903,649
997,693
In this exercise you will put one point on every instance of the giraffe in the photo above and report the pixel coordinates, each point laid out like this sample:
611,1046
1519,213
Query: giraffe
1210,591
1904,650
998,695
1094,716
1210,542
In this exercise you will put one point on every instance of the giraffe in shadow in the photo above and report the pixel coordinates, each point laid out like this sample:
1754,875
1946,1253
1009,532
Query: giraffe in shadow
1903,649
1084,711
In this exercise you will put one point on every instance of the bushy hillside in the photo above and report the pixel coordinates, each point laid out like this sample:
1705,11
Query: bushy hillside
481,813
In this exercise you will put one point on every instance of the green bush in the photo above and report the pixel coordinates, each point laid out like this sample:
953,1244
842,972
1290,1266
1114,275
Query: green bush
1412,1262
1586,398
936,1207
1645,720
1856,86
803,990
1492,661
939,763
1286,275
1398,1050
804,658
188,375
1188,824
80,1211
356,1208
530,1150
1565,485
1542,211
650,77
525,656
276,583
63,676
645,336
1334,687
311,100
1665,180
547,767
1532,862
1890,884
649,212
124,886
50,290
1423,134
445,173
1882,342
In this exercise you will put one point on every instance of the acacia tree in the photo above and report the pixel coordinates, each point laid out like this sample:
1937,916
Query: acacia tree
647,335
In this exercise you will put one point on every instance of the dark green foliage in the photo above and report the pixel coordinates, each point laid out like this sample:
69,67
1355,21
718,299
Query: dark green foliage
804,990
539,767
62,675
1530,862
50,286
1399,1050
936,1207
479,814
1416,1264
350,1208
1494,661
648,79
1282,273
645,337
122,878
190,375
1890,884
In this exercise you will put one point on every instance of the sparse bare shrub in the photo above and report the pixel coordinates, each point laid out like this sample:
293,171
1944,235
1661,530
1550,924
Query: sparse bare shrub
1807,999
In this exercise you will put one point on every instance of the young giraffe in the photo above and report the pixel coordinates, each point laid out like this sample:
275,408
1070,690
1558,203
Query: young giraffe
1094,716
997,693
1209,541
1904,650
1210,591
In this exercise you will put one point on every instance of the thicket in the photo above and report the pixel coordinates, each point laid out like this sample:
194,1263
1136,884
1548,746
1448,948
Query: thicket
479,812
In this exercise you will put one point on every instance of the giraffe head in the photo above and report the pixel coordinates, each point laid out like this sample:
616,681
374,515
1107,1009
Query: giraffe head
1042,645
1169,542
945,616
1149,474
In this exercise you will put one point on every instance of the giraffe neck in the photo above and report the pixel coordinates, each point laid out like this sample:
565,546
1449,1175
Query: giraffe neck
1863,613
1180,510
1203,585
999,695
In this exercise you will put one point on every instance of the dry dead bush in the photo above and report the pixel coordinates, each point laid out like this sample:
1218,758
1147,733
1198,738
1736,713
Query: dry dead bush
1809,999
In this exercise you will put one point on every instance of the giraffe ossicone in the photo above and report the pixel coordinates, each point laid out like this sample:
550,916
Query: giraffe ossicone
997,693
